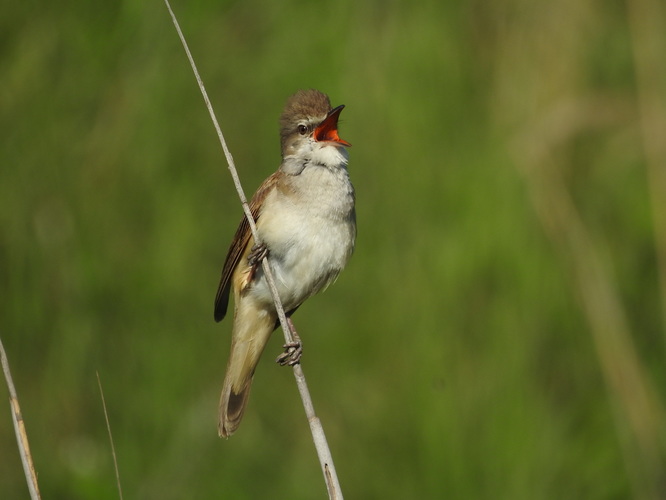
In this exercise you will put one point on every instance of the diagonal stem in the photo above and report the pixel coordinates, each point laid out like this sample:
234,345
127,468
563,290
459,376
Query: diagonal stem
318,436
19,428
113,448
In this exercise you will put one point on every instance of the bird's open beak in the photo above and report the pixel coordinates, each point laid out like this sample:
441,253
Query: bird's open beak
328,129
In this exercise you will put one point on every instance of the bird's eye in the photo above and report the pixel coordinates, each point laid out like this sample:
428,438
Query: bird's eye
302,129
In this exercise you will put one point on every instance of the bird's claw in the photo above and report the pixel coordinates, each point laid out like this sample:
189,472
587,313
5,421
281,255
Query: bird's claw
291,355
257,254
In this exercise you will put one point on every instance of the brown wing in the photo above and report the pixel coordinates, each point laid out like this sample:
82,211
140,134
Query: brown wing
239,244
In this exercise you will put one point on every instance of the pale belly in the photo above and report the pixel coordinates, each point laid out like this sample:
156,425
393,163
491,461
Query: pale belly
309,228
306,255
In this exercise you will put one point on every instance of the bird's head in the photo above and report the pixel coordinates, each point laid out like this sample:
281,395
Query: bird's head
309,128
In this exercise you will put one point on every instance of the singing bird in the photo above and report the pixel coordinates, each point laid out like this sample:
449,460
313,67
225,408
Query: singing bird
306,225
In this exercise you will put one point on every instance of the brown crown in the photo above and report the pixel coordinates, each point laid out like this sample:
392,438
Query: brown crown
302,105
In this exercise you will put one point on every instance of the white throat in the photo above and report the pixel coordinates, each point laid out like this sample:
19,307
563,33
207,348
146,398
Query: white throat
316,153
328,155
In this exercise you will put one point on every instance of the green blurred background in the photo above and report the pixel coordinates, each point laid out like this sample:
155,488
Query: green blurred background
499,332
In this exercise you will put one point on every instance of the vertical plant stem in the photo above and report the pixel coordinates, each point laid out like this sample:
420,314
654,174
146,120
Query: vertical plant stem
648,43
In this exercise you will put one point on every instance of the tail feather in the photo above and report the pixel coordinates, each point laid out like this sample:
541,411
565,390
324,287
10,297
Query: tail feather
251,331
232,407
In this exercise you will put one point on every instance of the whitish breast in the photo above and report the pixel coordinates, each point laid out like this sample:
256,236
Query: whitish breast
310,231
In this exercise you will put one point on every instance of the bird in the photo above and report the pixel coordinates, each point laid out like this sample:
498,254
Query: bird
306,225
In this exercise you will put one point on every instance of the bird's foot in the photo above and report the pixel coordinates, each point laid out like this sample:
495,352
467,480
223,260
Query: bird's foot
292,350
291,355
257,254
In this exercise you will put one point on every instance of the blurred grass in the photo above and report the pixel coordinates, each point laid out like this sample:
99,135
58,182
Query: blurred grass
453,358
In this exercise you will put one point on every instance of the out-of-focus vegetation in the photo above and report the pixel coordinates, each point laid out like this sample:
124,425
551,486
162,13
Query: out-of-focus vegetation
499,332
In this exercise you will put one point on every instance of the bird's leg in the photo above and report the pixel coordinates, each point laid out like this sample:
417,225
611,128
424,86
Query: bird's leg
293,350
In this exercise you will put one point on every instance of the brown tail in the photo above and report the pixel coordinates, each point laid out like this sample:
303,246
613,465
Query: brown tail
251,331
232,407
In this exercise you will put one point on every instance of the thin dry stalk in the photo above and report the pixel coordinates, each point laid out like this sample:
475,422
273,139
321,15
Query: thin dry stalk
108,428
318,436
638,413
19,428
